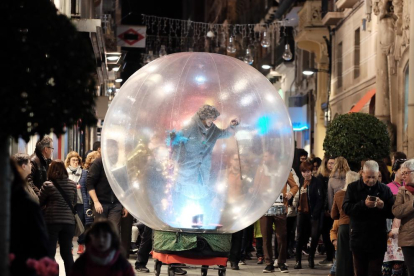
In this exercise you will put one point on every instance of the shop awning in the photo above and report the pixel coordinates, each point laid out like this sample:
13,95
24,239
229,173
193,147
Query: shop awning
363,101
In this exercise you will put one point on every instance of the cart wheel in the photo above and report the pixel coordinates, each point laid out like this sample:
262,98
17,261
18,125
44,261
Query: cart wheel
204,270
157,267
171,271
222,271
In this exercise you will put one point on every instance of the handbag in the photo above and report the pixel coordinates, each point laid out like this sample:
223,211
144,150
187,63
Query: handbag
79,228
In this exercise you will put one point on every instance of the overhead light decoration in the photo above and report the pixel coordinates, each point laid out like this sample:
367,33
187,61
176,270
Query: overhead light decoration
308,72
230,47
265,41
116,69
266,66
163,52
118,80
112,58
248,58
287,54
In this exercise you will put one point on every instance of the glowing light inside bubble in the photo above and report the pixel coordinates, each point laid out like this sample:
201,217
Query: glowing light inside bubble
270,98
136,185
168,88
263,125
240,85
221,187
246,100
200,79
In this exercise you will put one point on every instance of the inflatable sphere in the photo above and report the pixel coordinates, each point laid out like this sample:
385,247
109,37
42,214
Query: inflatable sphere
197,142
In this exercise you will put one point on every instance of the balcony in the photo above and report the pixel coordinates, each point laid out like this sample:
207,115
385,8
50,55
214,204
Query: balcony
345,4
331,15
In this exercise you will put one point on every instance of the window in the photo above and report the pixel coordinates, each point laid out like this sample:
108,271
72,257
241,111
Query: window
357,52
339,66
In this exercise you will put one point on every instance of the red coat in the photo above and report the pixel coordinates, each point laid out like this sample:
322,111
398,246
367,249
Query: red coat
119,266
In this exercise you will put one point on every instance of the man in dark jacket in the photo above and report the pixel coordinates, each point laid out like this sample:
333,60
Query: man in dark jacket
40,161
368,203
105,203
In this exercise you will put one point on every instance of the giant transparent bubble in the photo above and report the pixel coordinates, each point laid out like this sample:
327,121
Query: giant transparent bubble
199,179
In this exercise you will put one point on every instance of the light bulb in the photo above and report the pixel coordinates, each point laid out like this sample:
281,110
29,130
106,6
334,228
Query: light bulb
248,58
163,52
287,54
265,41
230,46
210,34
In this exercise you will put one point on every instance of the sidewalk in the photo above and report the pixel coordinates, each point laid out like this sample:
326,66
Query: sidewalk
251,269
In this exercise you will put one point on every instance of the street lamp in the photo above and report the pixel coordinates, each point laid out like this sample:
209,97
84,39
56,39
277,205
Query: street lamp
311,71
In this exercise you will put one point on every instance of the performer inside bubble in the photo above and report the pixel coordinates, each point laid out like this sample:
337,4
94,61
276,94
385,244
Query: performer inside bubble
191,157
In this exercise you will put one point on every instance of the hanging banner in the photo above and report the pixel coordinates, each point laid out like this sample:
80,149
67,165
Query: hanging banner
131,36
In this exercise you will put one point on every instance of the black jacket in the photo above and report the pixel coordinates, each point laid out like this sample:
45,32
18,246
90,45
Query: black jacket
315,197
57,210
324,180
368,225
39,171
98,181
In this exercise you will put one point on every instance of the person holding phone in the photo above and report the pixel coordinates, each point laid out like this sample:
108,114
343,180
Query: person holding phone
368,203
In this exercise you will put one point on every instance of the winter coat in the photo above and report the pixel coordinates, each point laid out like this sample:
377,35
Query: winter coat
315,197
57,210
368,228
293,207
38,176
193,156
335,183
404,209
324,180
85,266
337,213
97,180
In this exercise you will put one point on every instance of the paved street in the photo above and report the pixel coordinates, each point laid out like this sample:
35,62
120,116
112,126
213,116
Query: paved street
245,270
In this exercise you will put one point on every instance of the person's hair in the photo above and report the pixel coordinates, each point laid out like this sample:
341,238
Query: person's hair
43,143
70,156
17,176
305,166
371,165
207,111
397,164
103,226
385,173
399,155
409,164
96,145
88,160
323,168
57,170
341,166
21,158
303,153
350,177
317,160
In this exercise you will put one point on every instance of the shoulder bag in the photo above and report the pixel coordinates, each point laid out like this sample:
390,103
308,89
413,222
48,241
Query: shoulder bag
79,228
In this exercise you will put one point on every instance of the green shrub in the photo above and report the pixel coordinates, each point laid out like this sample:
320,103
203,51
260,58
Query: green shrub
357,136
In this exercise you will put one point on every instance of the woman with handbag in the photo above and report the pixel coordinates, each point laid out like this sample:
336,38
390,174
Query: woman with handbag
55,194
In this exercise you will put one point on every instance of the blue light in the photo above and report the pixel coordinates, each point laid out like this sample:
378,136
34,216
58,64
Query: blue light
263,125
300,128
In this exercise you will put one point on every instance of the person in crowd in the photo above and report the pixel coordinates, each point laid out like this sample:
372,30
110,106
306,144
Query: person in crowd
385,174
337,178
24,213
105,204
96,147
259,242
266,222
368,203
325,220
362,165
40,161
144,243
334,238
398,178
397,155
23,161
235,250
73,164
310,208
303,156
344,261
60,220
103,254
90,158
291,218
403,210
316,164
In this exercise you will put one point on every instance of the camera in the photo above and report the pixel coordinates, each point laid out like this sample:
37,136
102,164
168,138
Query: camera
372,198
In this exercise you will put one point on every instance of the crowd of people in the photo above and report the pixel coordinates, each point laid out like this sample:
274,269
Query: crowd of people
364,219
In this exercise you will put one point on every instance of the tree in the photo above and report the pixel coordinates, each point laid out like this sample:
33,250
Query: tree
48,85
357,136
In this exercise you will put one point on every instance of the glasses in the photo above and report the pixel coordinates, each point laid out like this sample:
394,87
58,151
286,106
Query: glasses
51,148
406,172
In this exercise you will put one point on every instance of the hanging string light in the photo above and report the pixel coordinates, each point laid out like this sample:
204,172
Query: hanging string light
230,46
248,58
265,41
287,54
